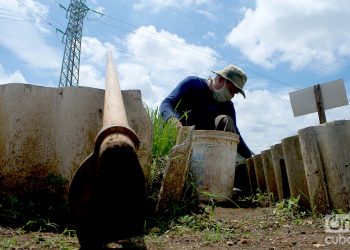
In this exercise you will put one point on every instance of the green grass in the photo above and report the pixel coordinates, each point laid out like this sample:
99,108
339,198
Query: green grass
164,138
164,135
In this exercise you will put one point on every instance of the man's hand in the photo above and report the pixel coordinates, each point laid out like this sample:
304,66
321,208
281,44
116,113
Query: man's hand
175,121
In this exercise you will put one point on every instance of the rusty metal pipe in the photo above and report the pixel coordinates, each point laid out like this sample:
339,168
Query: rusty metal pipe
115,120
114,110
107,195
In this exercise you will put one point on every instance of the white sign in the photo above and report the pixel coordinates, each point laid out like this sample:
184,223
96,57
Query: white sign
333,95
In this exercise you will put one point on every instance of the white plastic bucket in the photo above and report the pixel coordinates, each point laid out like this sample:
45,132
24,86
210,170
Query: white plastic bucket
212,162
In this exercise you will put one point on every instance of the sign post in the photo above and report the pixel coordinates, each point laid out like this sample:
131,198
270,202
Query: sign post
319,98
319,103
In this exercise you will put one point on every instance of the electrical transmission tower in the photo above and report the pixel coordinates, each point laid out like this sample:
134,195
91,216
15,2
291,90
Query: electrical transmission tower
71,59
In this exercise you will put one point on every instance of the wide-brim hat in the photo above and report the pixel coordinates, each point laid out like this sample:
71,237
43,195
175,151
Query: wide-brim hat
235,75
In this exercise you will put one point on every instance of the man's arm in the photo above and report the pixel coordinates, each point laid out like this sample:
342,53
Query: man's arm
242,147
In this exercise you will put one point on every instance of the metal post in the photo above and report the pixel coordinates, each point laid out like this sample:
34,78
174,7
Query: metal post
107,195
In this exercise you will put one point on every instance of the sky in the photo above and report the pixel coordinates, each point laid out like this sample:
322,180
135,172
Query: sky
283,46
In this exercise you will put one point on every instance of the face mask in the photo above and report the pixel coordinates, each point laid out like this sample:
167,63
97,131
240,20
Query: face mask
222,95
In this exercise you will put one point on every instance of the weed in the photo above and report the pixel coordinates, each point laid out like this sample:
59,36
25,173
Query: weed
8,243
46,203
289,209
69,232
211,229
261,199
214,198
40,225
164,135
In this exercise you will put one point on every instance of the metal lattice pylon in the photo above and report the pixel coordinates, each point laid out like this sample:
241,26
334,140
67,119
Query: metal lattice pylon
71,59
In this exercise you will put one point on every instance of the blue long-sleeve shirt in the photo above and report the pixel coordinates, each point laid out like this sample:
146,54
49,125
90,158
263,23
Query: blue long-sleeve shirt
192,103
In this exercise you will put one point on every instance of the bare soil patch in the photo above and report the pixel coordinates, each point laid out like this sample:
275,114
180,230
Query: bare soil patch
222,228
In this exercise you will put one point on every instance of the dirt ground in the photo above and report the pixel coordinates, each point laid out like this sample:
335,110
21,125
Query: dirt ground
227,228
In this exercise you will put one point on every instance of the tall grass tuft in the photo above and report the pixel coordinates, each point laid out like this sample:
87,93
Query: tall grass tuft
164,138
164,134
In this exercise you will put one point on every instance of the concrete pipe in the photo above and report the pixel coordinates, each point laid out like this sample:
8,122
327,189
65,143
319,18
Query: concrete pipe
280,171
176,170
295,170
325,150
269,175
252,175
259,172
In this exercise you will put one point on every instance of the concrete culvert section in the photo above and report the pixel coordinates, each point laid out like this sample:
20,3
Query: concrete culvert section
252,175
48,131
259,172
280,171
269,175
176,170
295,170
325,150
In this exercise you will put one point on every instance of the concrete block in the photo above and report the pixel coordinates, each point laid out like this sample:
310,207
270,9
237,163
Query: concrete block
295,170
325,150
259,172
269,175
252,175
280,171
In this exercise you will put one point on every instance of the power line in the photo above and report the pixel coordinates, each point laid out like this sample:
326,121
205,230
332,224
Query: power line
50,22
147,60
202,54
160,62
197,51
115,48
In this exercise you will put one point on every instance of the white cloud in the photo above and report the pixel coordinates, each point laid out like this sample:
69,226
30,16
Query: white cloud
169,52
93,62
15,77
298,32
157,5
209,35
25,10
163,60
137,76
91,76
93,1
153,64
23,31
207,14
152,61
93,51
